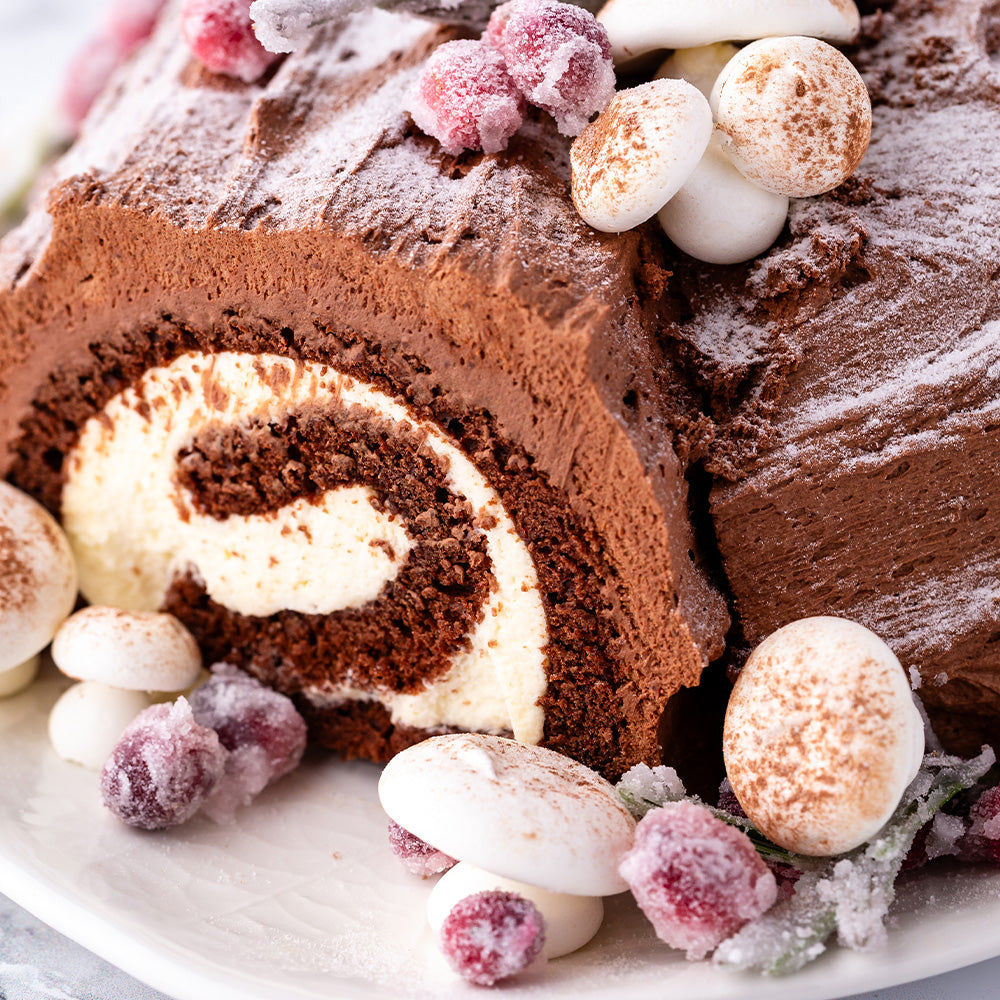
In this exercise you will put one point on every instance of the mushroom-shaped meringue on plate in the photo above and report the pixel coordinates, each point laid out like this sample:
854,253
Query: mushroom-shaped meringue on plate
635,27
522,819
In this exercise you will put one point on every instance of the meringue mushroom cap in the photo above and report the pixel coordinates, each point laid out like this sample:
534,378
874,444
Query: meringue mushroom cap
821,736
796,115
520,811
636,27
38,577
630,161
570,921
133,650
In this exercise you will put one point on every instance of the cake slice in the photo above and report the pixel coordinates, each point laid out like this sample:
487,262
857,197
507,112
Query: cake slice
392,430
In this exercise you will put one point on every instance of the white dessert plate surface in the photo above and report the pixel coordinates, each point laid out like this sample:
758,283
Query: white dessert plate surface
301,898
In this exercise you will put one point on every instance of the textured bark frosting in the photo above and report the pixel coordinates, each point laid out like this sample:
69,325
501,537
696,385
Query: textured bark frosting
853,374
303,217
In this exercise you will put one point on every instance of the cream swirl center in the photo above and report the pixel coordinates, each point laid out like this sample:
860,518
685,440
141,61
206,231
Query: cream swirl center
134,529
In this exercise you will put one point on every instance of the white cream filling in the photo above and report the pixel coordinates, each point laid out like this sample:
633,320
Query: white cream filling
134,529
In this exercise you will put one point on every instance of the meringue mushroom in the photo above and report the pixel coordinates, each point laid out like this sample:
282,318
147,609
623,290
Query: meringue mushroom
796,115
821,736
633,158
39,577
520,811
720,217
132,650
518,818
638,26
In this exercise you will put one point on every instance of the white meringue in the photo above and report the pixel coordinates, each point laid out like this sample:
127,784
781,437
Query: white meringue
720,217
796,115
821,736
134,650
89,719
700,66
38,577
638,26
519,811
633,158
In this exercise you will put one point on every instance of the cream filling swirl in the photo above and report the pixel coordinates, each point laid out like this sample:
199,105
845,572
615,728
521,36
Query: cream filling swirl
134,529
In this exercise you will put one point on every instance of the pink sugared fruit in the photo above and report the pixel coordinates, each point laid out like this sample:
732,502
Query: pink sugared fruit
466,99
128,25
982,839
162,768
131,22
261,729
697,879
220,34
559,57
417,855
492,935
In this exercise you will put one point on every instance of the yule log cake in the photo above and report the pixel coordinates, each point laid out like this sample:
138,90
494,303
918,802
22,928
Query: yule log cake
399,433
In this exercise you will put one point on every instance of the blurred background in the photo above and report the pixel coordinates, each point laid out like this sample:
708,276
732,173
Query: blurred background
37,40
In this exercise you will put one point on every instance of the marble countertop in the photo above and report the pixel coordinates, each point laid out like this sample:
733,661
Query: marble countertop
37,963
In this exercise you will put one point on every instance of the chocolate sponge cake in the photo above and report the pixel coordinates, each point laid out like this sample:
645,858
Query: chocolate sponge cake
391,429
399,433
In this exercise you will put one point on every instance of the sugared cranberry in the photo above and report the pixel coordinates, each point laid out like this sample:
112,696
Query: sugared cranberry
466,99
87,75
162,768
697,879
982,839
261,729
492,935
559,56
220,34
417,855
131,22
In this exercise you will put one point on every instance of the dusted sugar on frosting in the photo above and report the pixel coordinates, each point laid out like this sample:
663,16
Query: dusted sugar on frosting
315,555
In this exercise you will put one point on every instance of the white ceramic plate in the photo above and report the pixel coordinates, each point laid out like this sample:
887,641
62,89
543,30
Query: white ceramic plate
302,899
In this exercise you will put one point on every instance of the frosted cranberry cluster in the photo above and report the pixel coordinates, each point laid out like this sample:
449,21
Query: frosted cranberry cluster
214,752
472,94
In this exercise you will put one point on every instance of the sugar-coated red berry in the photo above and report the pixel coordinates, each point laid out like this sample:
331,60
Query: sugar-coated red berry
697,879
87,75
261,729
466,99
494,32
162,768
417,855
131,22
492,935
982,838
220,34
559,56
